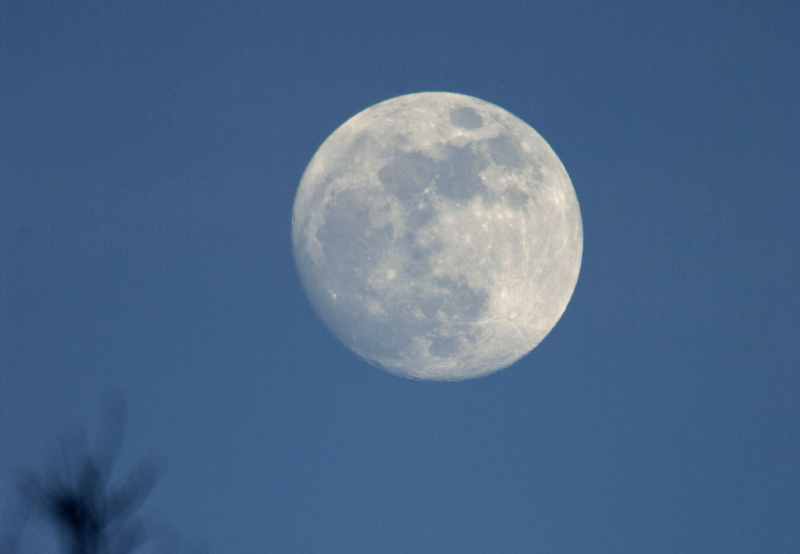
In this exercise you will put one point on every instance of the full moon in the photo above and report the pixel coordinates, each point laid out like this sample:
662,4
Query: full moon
438,236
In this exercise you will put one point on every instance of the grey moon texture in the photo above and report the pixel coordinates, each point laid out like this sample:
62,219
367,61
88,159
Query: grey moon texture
438,236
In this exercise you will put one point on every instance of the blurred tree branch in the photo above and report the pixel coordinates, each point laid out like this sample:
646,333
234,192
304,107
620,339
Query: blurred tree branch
78,499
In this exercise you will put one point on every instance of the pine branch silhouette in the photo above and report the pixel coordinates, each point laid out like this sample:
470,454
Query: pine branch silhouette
78,499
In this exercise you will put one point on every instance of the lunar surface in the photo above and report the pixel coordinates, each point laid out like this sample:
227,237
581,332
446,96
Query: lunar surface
438,236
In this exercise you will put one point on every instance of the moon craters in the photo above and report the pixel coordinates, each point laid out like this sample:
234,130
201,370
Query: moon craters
437,236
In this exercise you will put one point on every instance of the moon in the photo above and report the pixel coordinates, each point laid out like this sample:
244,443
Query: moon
438,236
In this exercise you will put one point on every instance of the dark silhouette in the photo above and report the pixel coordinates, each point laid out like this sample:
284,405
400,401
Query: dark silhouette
90,514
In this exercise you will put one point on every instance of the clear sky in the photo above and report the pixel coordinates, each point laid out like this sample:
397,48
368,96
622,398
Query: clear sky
150,152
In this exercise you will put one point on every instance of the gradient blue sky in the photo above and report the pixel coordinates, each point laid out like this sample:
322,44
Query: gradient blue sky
149,156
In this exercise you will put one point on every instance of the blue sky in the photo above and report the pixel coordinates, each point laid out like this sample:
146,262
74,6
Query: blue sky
149,157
